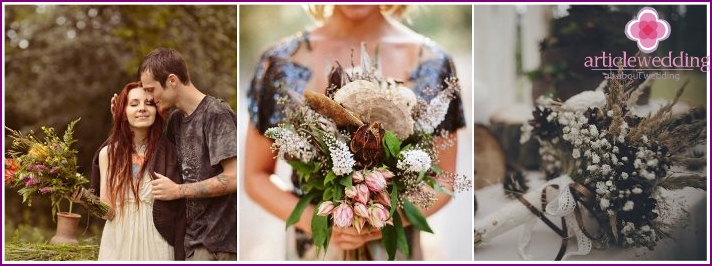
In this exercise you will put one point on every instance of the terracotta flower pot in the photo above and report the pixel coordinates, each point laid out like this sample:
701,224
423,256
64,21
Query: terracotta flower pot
67,224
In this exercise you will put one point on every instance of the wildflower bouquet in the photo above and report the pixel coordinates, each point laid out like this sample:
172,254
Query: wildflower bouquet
606,161
365,153
47,167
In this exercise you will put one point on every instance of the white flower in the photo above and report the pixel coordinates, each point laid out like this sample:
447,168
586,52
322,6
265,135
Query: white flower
576,153
341,158
605,169
414,161
624,176
628,206
609,113
286,142
595,158
609,183
637,190
605,204
645,228
585,100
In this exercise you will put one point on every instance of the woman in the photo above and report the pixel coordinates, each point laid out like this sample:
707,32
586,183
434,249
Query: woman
302,62
137,228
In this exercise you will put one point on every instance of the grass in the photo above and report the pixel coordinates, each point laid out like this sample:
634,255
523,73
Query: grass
30,243
50,252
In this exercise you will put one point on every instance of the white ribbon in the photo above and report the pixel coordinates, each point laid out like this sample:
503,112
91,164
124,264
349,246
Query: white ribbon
562,206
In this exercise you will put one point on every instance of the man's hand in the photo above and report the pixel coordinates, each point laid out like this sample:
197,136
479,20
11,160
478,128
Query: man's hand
164,188
348,238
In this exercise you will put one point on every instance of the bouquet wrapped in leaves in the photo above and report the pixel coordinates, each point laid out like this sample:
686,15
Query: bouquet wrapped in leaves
606,161
365,153
47,167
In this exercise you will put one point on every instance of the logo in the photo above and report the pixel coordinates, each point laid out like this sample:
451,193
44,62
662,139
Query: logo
647,29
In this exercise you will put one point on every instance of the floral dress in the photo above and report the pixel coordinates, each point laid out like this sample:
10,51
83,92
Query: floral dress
277,70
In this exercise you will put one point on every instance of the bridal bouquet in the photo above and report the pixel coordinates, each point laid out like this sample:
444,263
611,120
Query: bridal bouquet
606,161
47,166
365,154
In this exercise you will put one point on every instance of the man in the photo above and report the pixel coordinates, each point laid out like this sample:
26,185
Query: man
204,130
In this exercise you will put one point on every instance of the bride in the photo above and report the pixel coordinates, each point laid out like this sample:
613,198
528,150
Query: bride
301,62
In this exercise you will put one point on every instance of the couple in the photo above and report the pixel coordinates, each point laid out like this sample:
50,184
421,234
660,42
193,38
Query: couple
172,194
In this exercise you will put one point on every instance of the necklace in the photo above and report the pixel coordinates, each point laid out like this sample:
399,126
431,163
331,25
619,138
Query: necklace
141,149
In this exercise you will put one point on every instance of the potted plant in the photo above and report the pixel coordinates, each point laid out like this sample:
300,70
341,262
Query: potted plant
48,167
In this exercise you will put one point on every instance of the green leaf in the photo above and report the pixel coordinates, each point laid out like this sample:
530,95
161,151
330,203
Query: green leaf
299,209
330,176
441,189
392,144
401,240
416,217
347,181
328,193
337,192
302,169
394,198
320,231
389,239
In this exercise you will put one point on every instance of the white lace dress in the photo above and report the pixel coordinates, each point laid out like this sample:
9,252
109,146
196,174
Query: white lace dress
134,236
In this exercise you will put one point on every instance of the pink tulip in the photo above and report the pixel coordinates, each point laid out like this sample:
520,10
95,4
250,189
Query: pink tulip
384,198
357,177
350,192
361,210
362,193
385,173
379,215
359,223
343,215
325,208
376,182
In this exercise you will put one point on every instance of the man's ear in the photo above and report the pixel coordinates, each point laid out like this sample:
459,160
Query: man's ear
172,80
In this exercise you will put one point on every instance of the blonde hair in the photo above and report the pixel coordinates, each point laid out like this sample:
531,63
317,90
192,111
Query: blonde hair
321,12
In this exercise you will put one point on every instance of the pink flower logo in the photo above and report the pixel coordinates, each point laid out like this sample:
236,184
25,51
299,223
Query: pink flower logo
647,29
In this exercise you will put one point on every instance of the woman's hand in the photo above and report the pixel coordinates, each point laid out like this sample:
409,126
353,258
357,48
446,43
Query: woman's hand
348,238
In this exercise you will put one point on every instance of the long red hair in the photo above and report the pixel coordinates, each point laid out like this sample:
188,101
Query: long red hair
121,147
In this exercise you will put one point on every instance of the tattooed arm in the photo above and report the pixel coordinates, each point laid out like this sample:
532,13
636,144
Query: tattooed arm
221,184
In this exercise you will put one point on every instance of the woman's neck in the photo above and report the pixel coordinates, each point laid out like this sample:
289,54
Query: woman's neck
140,137
367,29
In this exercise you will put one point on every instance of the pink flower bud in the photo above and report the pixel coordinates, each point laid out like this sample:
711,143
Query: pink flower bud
359,223
361,210
325,208
343,215
350,192
385,173
379,215
362,193
376,182
357,177
384,198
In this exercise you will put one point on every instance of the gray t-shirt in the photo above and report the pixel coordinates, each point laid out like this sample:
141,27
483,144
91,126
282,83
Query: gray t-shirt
203,139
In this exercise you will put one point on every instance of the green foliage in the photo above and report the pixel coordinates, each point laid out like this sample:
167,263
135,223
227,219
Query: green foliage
416,217
393,237
50,252
44,167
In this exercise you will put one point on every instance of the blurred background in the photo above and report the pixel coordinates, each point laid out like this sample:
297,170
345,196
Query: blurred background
262,236
64,62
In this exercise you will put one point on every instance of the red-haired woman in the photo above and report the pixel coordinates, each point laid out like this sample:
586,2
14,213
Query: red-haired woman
138,228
